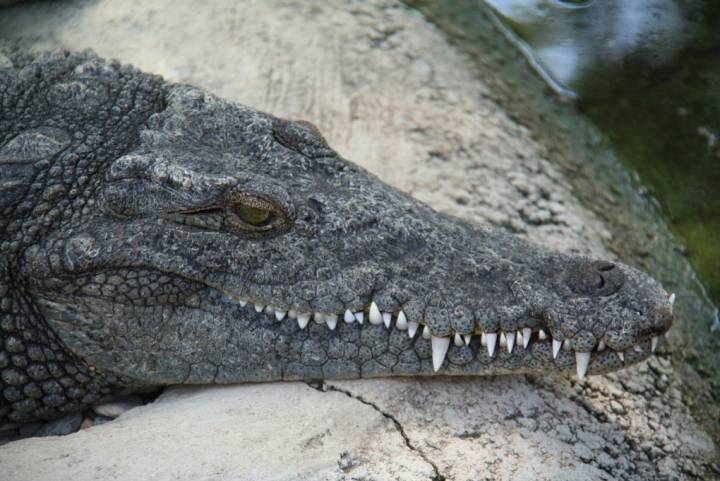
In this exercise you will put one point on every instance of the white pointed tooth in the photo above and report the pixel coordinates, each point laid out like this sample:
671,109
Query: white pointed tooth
349,318
510,342
601,346
375,316
621,356
556,345
527,334
503,340
259,307
242,302
401,322
360,316
303,320
387,319
672,299
483,340
412,329
542,335
319,318
467,338
654,343
518,338
458,340
426,334
567,344
331,321
280,315
292,314
440,347
582,359
491,342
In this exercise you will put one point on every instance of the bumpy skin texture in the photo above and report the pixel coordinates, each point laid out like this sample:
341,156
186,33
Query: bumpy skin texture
138,217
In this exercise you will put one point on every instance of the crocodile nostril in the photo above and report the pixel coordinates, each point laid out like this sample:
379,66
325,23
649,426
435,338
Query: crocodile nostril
605,267
595,278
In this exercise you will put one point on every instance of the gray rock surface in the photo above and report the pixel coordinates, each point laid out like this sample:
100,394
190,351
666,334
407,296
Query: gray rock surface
389,92
57,427
117,406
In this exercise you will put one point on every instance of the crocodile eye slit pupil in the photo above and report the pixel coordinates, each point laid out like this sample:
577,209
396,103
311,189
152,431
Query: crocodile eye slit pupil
254,216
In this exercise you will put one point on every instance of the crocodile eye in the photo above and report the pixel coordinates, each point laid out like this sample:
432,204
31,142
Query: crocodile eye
254,214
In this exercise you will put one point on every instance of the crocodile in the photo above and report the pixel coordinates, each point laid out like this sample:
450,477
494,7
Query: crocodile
156,234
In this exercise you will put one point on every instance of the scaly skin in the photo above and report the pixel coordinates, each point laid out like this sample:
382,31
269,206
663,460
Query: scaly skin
139,218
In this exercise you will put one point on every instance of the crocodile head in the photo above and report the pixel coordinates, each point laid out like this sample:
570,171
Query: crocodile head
232,246
155,234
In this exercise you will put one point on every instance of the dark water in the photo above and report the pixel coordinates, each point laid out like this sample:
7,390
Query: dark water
647,73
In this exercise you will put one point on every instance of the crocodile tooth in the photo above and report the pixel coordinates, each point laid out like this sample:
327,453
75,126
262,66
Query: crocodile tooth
360,316
527,334
426,334
319,318
541,335
483,340
672,299
468,338
491,341
259,307
567,344
349,318
387,318
401,322
518,338
503,340
654,343
280,315
458,340
440,347
412,328
556,345
303,320
375,317
601,346
621,356
242,302
292,314
582,359
510,342
331,321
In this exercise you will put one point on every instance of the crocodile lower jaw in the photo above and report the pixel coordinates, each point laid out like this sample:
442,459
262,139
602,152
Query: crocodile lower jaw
523,339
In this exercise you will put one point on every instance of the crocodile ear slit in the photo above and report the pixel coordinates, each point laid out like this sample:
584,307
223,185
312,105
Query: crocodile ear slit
302,137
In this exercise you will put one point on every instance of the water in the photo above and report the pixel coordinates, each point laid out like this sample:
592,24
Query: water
648,75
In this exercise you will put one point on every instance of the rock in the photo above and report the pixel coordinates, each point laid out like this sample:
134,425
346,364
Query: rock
261,431
67,424
388,91
87,423
117,406
616,407
101,420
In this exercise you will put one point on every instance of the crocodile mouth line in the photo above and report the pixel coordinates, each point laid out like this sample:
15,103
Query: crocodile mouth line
497,345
